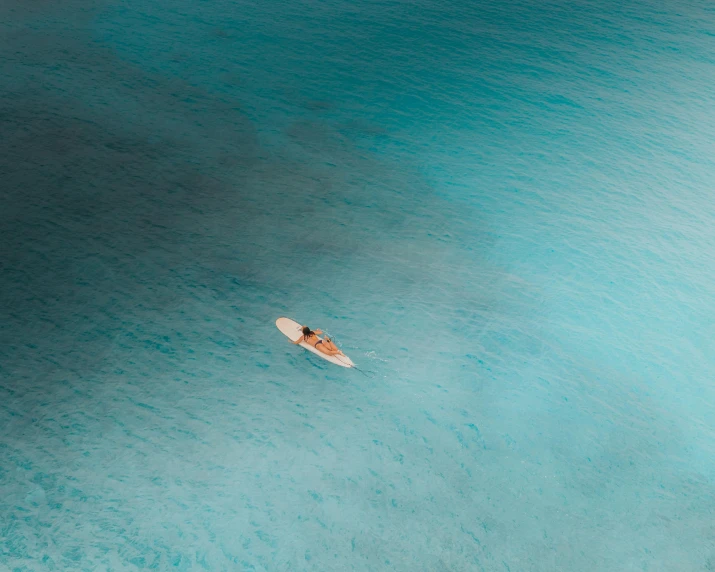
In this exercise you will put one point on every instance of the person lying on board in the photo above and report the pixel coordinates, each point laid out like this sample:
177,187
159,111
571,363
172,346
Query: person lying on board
325,346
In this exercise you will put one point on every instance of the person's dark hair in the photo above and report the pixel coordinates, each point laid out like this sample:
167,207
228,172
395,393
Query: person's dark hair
307,332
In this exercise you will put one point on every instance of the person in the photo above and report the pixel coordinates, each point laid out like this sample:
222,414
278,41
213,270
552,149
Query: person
325,346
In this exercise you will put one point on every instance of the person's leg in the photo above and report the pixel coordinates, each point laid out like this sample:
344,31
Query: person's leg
326,350
332,346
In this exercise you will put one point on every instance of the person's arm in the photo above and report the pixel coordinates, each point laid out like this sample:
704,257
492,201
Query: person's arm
300,339
318,332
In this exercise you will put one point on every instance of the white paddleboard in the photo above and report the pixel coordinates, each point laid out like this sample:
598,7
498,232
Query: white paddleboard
292,330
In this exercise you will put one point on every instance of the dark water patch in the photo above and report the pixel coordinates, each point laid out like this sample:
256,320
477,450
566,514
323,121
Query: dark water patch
107,183
319,105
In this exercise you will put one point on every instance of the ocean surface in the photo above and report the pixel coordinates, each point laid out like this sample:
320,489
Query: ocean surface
503,212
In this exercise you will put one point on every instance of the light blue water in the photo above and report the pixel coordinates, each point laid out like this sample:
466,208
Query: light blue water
503,212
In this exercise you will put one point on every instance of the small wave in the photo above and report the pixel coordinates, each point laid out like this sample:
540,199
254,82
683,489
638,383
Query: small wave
372,355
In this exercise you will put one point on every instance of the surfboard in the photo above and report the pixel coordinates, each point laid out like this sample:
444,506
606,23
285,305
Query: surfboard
292,330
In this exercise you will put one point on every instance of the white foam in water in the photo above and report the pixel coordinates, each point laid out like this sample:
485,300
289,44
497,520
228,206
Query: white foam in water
502,212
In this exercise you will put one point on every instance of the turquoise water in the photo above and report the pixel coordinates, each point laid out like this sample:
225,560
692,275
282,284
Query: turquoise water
503,213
